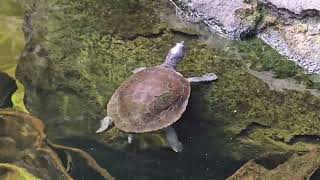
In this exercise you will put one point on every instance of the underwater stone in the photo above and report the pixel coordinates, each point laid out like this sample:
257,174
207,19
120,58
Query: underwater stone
71,67
12,171
298,167
75,56
235,18
22,144
289,26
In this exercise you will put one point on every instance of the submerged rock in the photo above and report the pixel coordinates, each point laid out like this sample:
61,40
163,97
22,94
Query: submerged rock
299,7
74,60
235,18
291,27
22,145
7,88
26,152
14,172
71,65
298,167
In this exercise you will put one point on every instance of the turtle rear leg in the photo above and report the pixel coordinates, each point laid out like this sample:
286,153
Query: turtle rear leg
104,124
173,140
205,78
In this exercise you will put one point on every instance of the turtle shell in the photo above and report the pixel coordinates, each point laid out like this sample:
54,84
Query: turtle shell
149,100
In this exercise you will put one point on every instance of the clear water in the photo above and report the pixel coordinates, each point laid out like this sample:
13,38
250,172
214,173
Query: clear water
209,125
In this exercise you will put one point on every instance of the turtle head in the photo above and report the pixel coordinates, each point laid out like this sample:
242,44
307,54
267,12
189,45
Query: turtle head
180,44
175,55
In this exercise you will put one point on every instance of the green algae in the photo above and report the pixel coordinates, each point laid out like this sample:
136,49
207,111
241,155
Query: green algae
89,57
16,172
11,8
263,58
251,15
11,44
164,100
119,140
85,51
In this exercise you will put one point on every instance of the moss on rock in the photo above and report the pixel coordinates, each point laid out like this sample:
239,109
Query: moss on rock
15,172
23,149
81,52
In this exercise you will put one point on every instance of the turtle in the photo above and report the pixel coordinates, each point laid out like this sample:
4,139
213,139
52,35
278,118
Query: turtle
153,99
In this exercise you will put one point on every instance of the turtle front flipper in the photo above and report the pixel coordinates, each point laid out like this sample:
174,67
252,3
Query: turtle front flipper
173,140
104,124
205,78
138,69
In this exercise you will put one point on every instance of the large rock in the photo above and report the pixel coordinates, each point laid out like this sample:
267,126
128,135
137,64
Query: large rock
291,27
298,167
235,18
295,32
22,145
77,55
7,88
26,152
297,6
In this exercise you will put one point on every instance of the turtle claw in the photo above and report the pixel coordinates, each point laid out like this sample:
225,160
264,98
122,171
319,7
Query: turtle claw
209,77
178,147
138,69
173,140
204,78
104,124
130,136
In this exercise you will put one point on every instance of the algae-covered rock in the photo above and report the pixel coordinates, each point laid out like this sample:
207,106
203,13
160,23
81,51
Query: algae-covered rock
11,45
10,172
7,88
26,149
23,148
77,55
289,26
298,167
235,18
73,62
119,140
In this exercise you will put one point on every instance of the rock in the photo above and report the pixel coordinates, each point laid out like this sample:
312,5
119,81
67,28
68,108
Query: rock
7,88
235,18
297,6
147,141
249,171
298,39
73,58
298,167
291,27
26,152
15,172
71,66
22,145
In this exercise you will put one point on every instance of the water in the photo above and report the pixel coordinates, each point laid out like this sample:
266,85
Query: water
212,128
